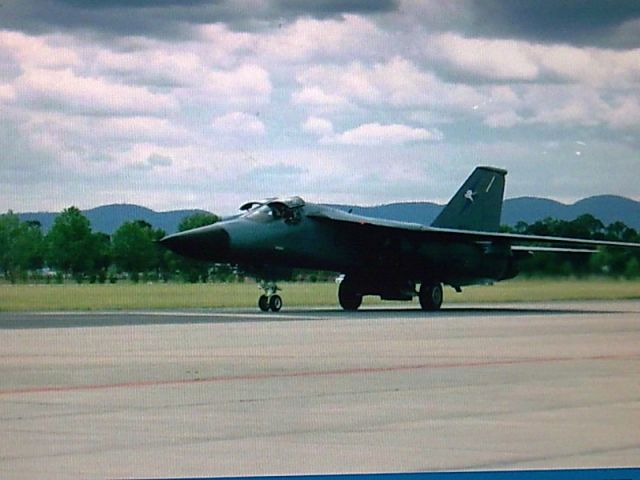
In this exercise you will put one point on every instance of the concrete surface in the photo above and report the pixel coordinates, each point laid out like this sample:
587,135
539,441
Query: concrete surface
199,393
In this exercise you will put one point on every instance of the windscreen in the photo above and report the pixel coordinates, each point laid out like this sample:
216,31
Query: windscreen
263,214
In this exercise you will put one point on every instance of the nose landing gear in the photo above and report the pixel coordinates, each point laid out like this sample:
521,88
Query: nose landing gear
270,300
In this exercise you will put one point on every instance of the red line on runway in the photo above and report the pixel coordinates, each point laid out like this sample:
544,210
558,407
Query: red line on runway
318,373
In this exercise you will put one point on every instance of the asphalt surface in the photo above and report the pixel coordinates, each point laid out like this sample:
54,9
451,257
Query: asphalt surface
215,393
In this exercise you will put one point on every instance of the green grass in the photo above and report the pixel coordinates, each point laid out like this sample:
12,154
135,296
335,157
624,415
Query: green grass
125,296
173,295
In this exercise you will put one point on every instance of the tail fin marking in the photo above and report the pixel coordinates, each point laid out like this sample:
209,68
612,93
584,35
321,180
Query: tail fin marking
477,205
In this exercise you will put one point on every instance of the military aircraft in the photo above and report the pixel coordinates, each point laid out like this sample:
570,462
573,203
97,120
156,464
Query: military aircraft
390,259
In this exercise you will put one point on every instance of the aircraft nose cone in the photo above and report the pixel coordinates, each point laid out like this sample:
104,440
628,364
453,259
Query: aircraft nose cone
206,243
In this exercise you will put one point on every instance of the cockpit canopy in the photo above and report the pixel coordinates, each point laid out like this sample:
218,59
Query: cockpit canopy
289,202
273,209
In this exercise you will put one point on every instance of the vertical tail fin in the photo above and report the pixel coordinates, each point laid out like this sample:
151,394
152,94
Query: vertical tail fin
478,203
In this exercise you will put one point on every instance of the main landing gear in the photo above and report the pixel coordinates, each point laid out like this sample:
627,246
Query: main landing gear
270,300
349,297
351,291
430,296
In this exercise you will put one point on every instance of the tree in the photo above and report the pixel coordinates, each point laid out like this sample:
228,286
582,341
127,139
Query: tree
135,249
584,226
618,231
21,246
632,268
546,228
8,225
196,220
71,245
609,261
103,255
28,247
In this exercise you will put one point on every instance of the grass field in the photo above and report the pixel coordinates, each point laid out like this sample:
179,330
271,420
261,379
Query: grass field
169,296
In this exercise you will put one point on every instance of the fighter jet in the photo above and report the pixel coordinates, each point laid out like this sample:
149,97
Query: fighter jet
393,260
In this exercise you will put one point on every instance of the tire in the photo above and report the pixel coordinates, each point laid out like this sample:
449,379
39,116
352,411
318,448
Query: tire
430,296
348,297
263,303
275,303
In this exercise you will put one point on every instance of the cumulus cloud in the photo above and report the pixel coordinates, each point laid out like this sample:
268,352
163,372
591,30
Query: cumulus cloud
63,130
625,113
316,97
318,126
310,38
377,134
7,92
238,123
157,66
245,84
397,82
501,60
567,106
488,58
136,129
224,45
503,119
36,51
62,89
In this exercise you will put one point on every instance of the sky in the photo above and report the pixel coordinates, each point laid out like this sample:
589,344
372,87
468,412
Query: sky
207,104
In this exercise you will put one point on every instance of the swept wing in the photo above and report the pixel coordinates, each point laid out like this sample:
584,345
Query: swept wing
555,244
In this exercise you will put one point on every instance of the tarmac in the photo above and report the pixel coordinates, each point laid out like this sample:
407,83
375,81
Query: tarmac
305,391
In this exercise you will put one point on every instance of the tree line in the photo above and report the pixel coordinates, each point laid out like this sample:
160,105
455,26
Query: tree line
71,249
614,262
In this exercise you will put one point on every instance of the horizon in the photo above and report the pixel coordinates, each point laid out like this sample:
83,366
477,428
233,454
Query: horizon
171,210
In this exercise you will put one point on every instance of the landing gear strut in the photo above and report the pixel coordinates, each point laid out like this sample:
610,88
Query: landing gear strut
270,300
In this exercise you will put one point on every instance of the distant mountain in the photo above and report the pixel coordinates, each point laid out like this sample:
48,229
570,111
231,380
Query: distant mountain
416,212
108,218
607,208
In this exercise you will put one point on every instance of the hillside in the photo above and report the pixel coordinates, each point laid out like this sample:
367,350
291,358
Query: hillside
108,218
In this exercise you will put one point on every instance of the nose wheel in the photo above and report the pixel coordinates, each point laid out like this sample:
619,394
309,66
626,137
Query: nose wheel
270,300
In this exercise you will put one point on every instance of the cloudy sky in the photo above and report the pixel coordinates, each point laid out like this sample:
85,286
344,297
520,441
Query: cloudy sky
205,104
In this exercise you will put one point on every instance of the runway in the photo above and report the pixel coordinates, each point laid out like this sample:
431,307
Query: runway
230,392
